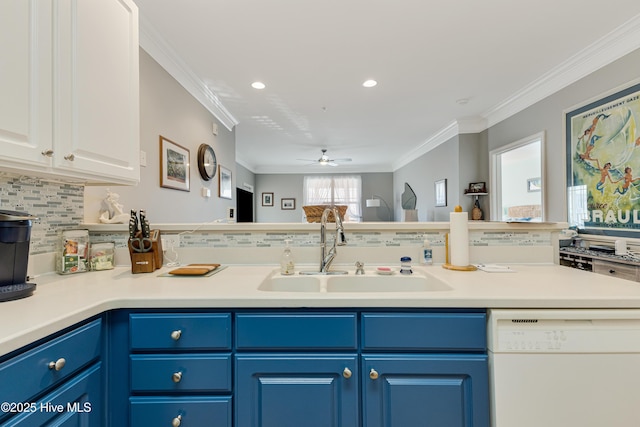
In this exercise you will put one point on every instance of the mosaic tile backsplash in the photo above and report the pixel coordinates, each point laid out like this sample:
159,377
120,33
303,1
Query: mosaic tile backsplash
58,207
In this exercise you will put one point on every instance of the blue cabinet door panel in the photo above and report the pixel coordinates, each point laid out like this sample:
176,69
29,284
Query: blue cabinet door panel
196,331
296,390
424,331
29,373
198,372
433,390
77,403
297,331
200,411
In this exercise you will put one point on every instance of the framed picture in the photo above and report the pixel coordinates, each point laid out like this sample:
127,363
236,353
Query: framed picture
534,184
224,183
174,165
477,187
267,199
287,204
441,193
603,164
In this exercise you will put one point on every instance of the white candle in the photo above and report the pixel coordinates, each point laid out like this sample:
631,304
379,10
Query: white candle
459,238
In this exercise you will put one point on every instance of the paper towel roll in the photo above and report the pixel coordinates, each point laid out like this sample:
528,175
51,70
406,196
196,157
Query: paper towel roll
459,238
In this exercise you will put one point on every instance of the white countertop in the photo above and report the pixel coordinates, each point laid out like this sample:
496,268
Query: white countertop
61,301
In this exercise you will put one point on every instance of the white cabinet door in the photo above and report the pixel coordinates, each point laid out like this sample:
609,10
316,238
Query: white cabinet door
25,83
69,89
96,87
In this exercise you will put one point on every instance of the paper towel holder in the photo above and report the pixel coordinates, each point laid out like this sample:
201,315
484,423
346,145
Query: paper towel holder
447,264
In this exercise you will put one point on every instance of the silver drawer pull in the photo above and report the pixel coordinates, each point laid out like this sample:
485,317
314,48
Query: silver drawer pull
176,377
71,157
373,374
58,364
47,153
175,335
346,373
176,421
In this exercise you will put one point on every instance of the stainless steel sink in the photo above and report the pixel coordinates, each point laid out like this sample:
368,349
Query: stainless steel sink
416,282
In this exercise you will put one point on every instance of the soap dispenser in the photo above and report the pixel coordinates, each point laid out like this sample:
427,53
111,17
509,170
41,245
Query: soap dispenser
287,264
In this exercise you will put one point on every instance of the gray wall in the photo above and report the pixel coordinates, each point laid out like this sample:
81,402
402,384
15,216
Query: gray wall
167,109
290,186
465,158
547,115
460,160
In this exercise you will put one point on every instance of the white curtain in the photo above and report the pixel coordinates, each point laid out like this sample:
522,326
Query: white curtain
335,190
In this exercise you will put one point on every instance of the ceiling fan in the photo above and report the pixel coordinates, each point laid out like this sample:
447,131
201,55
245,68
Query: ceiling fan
324,160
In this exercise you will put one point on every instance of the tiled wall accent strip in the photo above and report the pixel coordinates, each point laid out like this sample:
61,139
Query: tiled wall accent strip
58,207
213,239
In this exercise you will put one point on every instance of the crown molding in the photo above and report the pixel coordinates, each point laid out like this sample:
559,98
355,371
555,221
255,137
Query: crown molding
619,42
440,137
155,45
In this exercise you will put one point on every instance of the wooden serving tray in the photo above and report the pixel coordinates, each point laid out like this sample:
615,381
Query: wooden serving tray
194,269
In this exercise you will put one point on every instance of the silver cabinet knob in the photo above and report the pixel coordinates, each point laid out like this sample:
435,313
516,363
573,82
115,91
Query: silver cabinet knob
373,374
71,157
346,373
47,153
176,421
176,377
58,364
175,335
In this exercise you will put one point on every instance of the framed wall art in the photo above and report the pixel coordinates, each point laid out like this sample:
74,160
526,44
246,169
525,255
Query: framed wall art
224,183
441,193
267,199
174,165
603,164
287,204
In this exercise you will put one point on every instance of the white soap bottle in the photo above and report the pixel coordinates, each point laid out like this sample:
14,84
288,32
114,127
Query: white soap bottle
287,264
427,253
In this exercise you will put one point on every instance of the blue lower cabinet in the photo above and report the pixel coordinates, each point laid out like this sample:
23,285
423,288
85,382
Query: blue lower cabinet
294,390
425,390
200,411
77,403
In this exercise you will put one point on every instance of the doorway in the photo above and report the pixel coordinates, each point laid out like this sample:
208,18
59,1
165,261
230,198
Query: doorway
244,205
517,180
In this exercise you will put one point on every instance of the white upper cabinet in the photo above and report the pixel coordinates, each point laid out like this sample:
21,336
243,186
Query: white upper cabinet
70,91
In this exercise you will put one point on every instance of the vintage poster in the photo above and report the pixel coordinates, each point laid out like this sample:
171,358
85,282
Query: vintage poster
603,163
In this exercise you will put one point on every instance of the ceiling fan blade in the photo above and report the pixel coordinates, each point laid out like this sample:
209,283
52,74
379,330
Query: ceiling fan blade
331,163
341,160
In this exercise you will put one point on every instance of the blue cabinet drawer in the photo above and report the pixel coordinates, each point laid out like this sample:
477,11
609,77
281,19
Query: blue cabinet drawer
182,331
296,331
187,411
41,367
181,373
424,331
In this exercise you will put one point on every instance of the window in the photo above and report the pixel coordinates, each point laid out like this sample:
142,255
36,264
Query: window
335,190
517,180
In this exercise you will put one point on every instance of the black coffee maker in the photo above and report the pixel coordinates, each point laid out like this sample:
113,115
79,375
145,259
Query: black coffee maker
15,232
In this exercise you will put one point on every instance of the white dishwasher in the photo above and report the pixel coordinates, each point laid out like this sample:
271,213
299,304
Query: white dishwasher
564,368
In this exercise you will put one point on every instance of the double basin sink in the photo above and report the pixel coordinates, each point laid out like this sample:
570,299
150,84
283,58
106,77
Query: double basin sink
369,282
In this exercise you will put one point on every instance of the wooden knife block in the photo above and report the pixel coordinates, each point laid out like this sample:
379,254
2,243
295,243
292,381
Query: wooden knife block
147,262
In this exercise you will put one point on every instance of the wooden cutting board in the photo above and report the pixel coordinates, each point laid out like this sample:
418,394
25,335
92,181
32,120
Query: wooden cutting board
194,269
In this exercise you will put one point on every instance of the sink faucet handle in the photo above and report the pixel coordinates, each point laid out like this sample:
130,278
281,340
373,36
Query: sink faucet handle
359,267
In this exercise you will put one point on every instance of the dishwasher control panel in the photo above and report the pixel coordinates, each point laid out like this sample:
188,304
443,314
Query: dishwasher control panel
536,335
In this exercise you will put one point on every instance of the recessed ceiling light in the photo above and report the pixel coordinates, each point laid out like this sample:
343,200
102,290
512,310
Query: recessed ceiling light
369,83
258,85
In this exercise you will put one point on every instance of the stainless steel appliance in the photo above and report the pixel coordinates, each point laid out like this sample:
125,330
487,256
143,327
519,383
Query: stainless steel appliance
15,234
